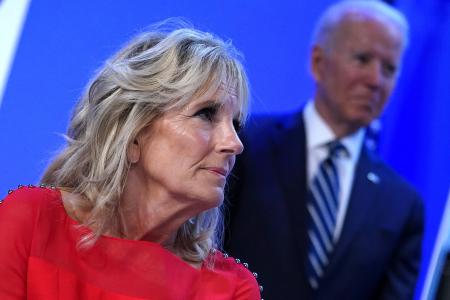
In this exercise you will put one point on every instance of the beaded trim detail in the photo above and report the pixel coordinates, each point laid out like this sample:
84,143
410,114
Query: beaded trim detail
238,261
44,186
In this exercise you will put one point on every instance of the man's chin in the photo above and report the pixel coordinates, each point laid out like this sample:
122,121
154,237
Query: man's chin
361,121
362,117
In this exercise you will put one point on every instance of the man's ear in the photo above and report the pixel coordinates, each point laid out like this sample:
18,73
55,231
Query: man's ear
134,151
317,58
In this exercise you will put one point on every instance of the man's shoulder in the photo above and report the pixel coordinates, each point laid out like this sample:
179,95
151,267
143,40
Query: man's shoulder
273,120
391,180
260,127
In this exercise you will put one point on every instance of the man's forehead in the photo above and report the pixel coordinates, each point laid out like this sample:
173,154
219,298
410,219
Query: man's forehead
370,30
366,21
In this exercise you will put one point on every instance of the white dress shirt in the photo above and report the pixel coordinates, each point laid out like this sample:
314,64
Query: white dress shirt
318,135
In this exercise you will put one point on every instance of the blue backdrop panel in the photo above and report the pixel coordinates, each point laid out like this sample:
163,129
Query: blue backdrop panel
415,138
64,42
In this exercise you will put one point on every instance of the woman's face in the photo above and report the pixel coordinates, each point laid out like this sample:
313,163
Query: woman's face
188,153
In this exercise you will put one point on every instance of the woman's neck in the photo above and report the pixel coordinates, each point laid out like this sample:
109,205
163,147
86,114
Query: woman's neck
151,214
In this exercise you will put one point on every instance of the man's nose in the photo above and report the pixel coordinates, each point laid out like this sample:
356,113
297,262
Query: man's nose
375,75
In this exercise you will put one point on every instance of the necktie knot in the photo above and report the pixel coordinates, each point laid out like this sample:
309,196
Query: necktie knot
336,149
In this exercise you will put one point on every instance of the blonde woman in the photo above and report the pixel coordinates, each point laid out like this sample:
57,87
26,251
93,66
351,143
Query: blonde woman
129,209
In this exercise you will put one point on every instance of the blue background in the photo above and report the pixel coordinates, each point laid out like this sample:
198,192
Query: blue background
64,42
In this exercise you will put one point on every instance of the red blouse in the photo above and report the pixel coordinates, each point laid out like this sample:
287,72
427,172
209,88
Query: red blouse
39,259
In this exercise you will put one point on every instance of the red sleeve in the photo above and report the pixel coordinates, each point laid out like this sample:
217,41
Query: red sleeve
17,215
248,288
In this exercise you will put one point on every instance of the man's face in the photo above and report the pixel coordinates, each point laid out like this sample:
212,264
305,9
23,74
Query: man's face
356,74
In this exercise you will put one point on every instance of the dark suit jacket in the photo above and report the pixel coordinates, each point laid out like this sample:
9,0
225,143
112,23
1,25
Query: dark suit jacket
378,253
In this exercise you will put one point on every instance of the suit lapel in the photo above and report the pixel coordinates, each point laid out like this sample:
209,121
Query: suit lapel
289,152
362,197
290,163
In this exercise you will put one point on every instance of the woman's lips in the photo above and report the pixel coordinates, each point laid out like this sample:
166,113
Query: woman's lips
219,171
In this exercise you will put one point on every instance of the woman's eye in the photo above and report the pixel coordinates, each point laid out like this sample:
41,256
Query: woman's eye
237,125
207,113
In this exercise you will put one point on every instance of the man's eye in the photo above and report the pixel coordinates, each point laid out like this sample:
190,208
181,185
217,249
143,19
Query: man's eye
389,69
207,113
362,58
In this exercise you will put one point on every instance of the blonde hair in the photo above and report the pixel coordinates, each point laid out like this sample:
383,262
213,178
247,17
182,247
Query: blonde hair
157,71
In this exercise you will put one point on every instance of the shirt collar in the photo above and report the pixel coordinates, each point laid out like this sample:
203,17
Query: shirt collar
319,134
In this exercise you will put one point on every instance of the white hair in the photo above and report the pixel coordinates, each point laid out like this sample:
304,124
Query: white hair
327,25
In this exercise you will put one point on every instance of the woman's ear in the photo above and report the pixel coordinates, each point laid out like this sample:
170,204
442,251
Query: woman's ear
134,152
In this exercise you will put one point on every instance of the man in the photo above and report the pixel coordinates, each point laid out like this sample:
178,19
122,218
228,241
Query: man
313,210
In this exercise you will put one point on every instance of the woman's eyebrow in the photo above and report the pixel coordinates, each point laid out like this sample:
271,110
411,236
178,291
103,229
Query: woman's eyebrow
209,103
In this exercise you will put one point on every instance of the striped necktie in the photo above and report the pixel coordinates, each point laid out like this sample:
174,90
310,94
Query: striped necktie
323,201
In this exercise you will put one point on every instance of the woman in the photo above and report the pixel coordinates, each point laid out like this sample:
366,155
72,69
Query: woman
135,212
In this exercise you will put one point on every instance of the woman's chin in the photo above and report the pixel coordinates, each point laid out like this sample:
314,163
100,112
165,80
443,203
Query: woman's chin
214,200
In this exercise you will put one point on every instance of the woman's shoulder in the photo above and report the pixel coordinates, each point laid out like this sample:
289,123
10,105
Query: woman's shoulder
19,214
29,194
247,284
25,202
